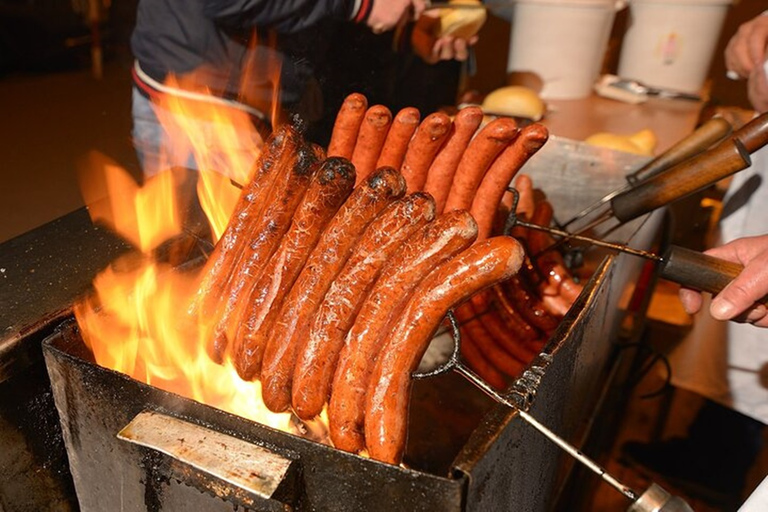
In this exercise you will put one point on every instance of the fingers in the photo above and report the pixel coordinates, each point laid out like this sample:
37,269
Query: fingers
746,49
691,300
757,89
737,301
419,7
451,48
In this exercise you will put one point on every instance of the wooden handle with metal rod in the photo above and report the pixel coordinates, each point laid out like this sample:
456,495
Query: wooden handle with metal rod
714,130
697,142
699,271
695,174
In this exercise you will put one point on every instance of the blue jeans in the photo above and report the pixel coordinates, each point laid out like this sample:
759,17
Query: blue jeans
158,151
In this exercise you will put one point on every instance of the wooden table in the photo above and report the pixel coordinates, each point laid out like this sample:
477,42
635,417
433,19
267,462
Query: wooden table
671,120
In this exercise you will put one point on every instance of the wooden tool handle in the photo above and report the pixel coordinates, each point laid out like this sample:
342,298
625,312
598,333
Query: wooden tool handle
681,180
697,270
754,134
709,133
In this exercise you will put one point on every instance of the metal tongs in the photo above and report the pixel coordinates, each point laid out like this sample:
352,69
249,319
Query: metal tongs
661,188
640,90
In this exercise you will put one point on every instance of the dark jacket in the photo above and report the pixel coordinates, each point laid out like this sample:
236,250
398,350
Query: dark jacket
219,38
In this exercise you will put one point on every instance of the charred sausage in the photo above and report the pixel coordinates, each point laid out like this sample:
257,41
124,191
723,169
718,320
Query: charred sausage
430,246
319,353
218,268
387,399
330,187
322,266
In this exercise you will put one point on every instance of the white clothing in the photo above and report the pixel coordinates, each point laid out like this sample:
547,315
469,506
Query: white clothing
723,361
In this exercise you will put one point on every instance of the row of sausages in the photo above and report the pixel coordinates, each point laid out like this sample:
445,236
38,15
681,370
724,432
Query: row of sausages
503,328
336,269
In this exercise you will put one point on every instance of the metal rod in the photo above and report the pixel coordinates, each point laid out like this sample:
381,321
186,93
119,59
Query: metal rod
600,243
575,453
594,206
559,441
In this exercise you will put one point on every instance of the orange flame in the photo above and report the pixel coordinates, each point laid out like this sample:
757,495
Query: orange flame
136,321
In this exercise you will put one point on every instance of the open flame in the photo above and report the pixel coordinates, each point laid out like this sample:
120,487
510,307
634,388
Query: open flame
136,321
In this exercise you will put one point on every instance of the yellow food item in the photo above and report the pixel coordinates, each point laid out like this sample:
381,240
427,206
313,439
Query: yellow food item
640,143
515,100
461,23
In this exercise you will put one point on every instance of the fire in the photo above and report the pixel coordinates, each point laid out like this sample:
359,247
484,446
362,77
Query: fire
135,322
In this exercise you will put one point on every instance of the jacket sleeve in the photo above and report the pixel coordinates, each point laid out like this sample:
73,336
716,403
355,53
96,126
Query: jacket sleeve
283,16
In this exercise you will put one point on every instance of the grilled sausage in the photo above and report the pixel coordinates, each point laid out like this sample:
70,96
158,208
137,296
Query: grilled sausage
421,253
442,170
347,126
275,156
525,205
330,187
403,126
511,321
422,149
550,263
500,174
491,318
322,266
286,194
480,153
479,364
370,140
487,344
387,399
528,304
320,351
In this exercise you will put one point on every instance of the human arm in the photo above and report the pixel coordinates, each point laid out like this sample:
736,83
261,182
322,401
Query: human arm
289,16
737,301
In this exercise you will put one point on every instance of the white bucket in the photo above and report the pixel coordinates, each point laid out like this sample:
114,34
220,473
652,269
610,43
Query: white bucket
562,41
671,43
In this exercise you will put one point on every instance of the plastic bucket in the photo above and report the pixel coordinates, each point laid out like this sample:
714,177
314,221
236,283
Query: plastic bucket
671,43
562,41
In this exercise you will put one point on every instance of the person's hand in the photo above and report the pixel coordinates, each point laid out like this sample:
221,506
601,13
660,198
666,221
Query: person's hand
757,88
386,14
431,48
737,300
746,50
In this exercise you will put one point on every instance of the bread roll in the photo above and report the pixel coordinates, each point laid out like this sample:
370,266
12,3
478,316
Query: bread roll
515,100
461,23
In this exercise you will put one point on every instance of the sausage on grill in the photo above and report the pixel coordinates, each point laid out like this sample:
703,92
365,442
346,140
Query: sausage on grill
405,123
431,245
422,149
370,140
480,153
322,266
330,187
388,396
442,170
347,126
319,353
